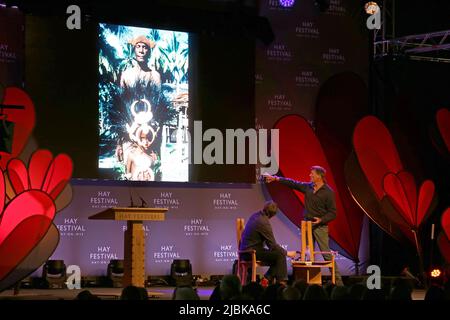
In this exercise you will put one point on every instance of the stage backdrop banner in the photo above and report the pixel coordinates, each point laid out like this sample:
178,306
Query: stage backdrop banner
200,225
11,47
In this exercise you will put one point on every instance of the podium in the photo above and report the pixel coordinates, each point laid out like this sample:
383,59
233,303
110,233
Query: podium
134,239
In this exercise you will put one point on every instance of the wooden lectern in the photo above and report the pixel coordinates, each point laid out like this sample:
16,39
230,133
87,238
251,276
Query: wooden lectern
134,239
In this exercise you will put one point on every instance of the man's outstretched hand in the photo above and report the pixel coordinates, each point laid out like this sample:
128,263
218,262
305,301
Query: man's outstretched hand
291,254
268,178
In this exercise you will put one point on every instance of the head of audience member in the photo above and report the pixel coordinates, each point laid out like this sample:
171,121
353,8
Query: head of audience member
272,292
373,294
185,293
131,293
215,295
301,285
144,293
230,287
340,293
435,293
402,290
252,291
86,295
356,291
329,288
291,293
315,292
447,290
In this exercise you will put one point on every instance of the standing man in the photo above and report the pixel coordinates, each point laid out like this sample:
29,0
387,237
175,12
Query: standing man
257,234
320,207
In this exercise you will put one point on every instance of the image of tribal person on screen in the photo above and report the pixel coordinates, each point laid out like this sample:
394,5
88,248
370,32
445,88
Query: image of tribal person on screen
143,102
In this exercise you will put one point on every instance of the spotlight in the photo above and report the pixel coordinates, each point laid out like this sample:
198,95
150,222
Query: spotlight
115,273
54,272
436,276
181,273
371,7
435,273
287,3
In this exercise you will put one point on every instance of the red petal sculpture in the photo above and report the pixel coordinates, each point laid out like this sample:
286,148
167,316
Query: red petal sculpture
443,123
39,164
18,175
28,216
376,152
400,191
445,222
380,162
25,222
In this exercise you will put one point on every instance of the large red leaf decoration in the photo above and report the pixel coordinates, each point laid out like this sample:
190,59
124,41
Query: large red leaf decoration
299,149
58,175
34,259
18,175
400,194
288,201
39,164
29,214
394,188
376,152
25,205
23,119
25,221
365,197
424,204
445,222
401,190
443,124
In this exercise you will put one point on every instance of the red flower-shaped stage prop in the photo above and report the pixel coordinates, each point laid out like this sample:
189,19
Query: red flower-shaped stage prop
440,133
29,198
378,182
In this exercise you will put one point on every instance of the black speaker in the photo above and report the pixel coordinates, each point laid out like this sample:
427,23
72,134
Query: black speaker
181,273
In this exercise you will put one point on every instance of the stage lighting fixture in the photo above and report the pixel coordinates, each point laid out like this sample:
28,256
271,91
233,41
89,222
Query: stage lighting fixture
115,272
435,273
371,7
287,3
181,273
54,272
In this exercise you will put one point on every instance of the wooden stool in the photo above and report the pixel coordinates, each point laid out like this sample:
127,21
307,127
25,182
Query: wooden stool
310,269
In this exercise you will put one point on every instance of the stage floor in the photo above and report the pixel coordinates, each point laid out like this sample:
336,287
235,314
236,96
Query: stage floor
155,293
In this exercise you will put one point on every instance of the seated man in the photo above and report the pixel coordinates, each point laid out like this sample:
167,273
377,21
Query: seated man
257,233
